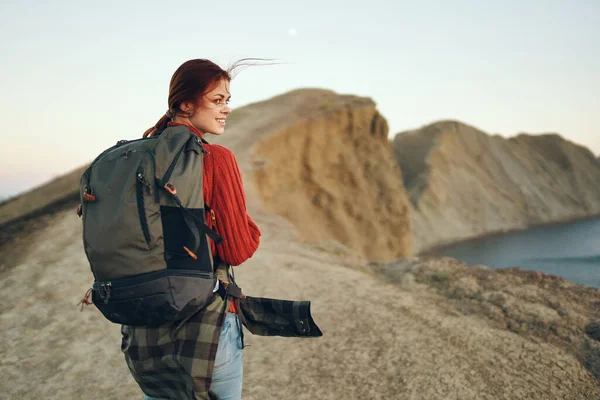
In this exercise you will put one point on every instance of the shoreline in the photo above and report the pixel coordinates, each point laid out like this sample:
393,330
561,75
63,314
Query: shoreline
436,250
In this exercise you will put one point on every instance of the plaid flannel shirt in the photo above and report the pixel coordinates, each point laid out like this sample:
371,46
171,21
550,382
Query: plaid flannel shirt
175,361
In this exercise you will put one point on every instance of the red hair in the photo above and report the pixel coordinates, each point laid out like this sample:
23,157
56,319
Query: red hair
190,81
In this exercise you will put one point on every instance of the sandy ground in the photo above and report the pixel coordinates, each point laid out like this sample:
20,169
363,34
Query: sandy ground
380,340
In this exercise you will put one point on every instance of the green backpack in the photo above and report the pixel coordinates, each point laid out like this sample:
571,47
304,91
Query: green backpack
144,229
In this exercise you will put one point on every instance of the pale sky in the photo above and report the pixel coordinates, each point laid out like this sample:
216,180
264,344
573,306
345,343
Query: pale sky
76,76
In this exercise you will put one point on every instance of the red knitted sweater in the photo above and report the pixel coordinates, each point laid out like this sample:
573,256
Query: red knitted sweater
224,193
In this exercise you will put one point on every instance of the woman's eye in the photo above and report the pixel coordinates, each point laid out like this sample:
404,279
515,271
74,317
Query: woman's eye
218,101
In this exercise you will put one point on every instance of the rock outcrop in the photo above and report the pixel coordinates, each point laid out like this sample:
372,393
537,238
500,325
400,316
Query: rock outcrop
332,172
464,183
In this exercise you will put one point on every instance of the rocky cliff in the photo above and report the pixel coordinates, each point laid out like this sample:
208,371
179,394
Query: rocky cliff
465,183
332,172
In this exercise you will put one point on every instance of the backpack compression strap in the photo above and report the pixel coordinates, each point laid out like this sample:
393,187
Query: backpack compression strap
189,218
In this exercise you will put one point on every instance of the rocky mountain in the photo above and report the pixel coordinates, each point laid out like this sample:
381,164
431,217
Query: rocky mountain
464,183
331,171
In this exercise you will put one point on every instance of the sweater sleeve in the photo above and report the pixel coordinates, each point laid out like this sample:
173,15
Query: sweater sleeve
241,235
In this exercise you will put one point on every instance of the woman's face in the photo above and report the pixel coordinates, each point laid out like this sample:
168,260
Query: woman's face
212,110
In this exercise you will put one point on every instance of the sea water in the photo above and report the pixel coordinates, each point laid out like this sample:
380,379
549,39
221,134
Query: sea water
568,250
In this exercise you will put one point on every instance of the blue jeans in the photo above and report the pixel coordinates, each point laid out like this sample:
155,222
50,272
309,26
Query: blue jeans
229,362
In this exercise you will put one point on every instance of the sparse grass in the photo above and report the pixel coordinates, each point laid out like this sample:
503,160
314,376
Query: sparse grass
593,330
591,357
441,276
539,307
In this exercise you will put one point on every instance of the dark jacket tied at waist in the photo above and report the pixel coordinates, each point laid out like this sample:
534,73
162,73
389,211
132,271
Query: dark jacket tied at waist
175,361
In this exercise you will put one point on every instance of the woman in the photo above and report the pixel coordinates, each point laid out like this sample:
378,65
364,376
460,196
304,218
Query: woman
201,357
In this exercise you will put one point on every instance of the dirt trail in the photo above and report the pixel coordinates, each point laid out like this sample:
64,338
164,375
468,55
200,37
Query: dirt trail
380,340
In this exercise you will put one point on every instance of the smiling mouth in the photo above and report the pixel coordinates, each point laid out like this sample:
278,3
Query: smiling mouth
221,120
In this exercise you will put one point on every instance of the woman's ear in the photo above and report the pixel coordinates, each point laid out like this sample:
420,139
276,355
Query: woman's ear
187,107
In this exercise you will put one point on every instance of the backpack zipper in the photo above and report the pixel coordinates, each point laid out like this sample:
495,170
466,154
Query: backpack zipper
149,276
119,144
139,190
152,158
104,290
153,186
